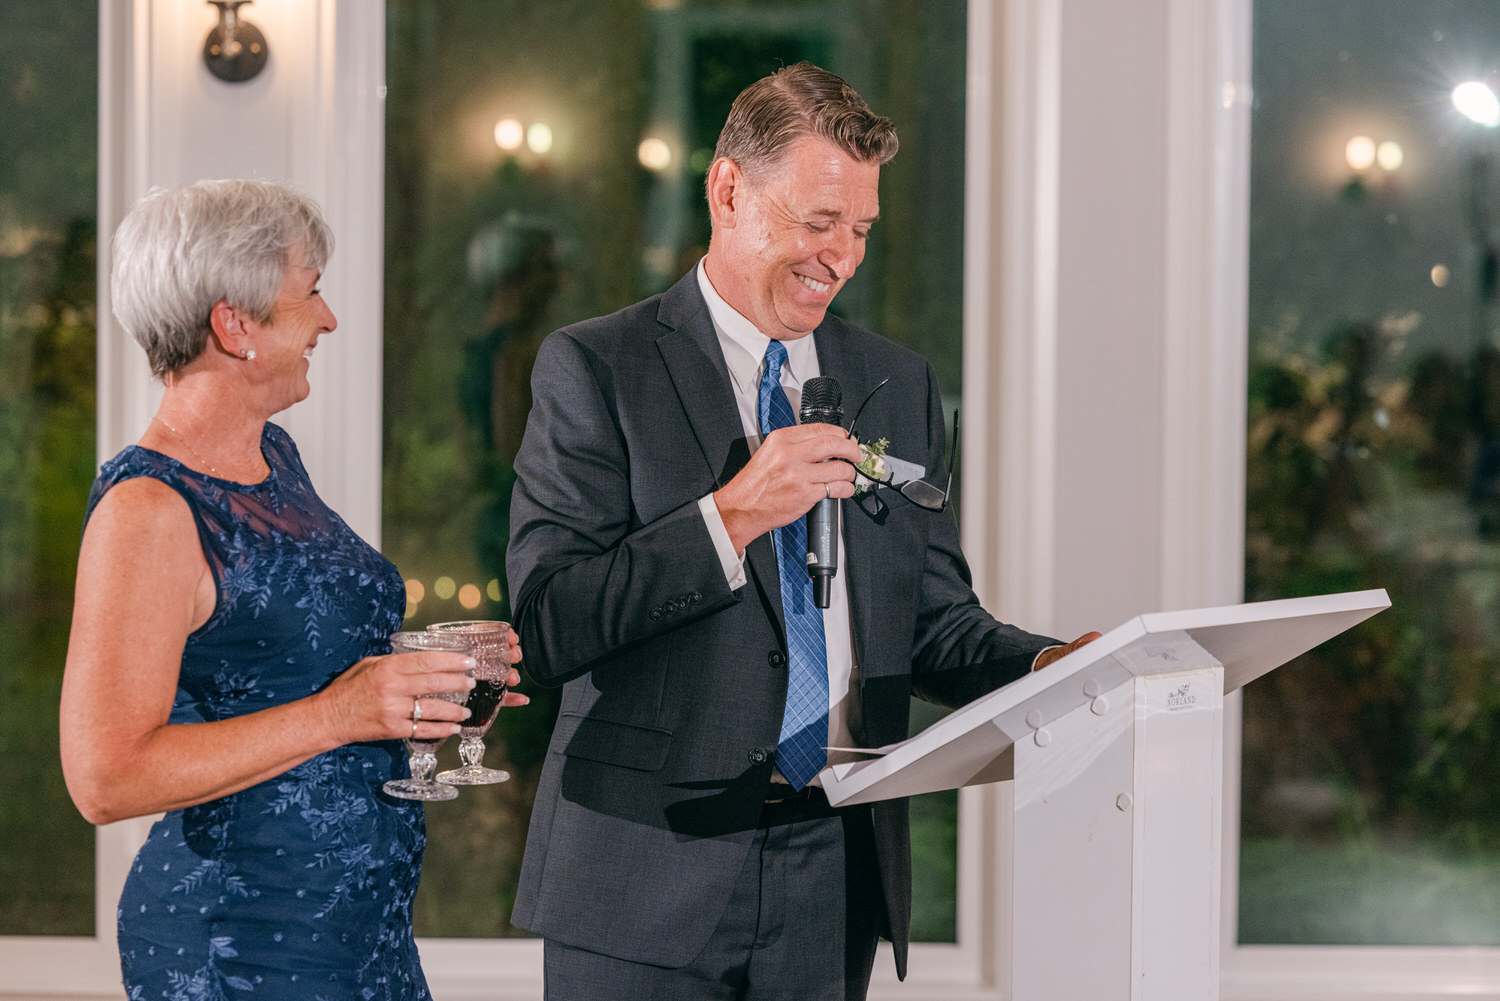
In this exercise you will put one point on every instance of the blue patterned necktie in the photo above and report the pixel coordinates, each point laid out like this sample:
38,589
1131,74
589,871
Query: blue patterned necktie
803,749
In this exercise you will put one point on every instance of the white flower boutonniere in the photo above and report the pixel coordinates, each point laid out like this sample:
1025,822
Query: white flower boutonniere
871,464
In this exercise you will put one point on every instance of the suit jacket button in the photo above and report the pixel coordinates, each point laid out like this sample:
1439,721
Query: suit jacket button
777,659
758,756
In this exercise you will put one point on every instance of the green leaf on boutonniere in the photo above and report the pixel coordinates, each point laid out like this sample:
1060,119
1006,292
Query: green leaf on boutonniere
871,463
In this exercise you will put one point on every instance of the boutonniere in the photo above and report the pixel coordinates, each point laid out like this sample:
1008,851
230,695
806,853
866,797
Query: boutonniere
872,464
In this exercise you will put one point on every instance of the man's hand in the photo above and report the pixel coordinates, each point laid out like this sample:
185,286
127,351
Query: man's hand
785,477
1058,652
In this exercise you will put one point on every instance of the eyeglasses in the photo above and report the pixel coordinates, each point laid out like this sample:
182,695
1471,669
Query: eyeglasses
921,493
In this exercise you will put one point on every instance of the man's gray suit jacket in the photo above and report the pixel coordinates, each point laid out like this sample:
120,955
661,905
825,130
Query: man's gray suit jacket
673,683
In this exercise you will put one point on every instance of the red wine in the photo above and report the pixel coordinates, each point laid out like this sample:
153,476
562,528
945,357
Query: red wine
483,703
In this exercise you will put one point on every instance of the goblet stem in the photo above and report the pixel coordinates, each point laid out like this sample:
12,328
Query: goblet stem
422,765
423,760
471,749
472,773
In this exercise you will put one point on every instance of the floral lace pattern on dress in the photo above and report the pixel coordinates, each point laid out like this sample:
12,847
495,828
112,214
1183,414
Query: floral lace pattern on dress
299,887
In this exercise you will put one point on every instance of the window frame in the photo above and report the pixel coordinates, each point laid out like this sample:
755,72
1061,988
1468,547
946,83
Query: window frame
1024,61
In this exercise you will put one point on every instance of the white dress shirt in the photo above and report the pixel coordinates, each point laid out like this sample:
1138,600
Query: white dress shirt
744,350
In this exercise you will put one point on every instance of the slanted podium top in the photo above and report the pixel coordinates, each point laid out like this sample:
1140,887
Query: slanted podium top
1246,640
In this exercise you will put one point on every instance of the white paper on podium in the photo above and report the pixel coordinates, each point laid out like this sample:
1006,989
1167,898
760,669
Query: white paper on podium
972,745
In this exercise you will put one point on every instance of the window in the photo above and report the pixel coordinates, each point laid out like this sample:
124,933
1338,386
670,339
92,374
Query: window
48,114
1370,816
545,164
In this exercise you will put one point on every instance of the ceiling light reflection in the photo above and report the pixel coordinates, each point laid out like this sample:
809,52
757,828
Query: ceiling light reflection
1478,103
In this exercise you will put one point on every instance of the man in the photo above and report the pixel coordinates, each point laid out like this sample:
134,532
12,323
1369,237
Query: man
680,846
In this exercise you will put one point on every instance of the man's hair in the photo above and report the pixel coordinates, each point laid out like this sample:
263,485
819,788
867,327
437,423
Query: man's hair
795,102
182,249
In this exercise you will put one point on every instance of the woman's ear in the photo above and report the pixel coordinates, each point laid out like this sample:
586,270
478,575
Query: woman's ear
227,324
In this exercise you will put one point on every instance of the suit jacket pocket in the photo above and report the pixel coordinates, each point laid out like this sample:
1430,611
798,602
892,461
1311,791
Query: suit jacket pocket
628,745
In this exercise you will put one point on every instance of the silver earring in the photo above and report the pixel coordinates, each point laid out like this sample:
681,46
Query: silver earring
247,353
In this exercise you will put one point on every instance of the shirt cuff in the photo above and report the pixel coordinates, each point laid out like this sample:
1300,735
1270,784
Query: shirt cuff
732,562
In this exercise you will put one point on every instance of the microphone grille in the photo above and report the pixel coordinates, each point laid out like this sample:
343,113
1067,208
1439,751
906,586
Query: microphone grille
822,401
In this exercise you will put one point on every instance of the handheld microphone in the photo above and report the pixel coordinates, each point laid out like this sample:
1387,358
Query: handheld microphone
822,403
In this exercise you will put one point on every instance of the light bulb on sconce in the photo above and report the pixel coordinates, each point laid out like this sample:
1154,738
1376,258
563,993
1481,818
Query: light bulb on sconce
1359,153
235,50
509,134
539,138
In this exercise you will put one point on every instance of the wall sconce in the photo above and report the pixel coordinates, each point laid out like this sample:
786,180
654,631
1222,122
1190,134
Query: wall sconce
235,50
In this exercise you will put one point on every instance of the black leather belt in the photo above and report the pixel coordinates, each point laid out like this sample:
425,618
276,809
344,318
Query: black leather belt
780,792
786,805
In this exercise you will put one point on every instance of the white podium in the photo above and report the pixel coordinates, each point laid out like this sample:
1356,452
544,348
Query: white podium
1116,754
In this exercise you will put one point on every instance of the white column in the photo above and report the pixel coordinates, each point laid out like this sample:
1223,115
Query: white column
314,118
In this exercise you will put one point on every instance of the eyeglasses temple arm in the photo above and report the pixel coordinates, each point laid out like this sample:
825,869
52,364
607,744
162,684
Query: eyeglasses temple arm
862,406
952,461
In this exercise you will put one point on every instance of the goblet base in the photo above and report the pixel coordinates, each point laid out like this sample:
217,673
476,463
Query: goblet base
419,789
473,775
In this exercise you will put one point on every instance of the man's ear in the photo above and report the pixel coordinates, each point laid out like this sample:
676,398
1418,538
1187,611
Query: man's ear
726,192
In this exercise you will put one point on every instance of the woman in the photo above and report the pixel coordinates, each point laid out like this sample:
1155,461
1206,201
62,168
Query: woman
225,663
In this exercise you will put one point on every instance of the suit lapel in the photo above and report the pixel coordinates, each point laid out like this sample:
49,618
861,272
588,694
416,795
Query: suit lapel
695,363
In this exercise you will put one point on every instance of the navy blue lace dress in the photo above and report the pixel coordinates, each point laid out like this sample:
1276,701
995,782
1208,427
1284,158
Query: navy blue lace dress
300,887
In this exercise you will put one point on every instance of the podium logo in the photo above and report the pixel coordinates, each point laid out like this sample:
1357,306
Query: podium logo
1181,697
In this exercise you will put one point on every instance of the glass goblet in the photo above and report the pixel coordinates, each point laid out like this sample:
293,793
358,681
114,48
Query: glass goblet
423,753
489,644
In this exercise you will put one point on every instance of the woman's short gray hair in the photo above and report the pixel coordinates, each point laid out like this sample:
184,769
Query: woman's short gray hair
795,102
180,250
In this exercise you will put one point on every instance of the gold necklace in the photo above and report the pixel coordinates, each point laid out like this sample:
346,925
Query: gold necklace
189,445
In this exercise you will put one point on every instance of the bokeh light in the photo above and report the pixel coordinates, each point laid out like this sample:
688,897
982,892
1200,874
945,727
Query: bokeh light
509,134
654,154
469,596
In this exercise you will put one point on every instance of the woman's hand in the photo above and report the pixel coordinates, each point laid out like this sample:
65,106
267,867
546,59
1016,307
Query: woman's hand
376,698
